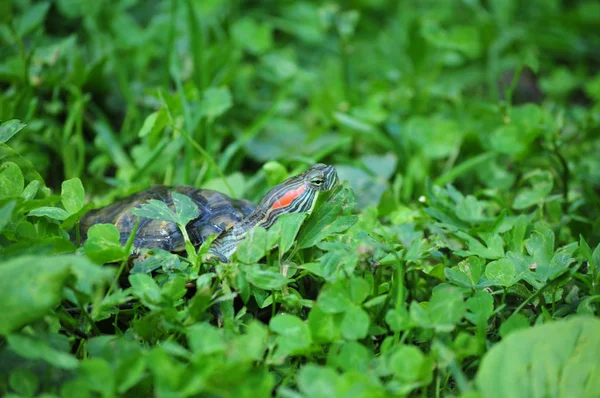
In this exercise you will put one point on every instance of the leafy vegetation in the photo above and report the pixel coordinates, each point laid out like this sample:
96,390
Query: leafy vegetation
460,257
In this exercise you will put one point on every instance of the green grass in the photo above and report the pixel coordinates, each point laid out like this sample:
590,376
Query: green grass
460,257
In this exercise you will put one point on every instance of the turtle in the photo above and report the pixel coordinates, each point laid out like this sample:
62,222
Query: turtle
230,219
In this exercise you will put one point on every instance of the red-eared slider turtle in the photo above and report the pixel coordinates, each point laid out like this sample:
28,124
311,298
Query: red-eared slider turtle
230,219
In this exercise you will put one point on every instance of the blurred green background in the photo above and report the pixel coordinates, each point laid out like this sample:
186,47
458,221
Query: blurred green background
468,129
396,90
477,93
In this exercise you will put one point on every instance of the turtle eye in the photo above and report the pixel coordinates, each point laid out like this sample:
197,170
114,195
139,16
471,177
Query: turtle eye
317,181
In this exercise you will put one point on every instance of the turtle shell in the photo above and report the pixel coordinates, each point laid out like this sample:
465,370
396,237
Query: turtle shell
218,213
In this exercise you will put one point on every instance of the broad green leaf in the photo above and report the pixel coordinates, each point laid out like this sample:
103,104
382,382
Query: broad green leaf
562,364
174,288
165,369
185,208
264,279
479,308
130,372
155,210
34,347
145,288
353,123
540,246
253,37
399,319
586,250
215,102
548,265
74,218
280,66
516,240
493,248
279,138
31,286
359,290
559,264
234,184
24,382
99,376
54,213
355,323
73,195
338,261
409,364
25,230
346,23
31,190
11,180
368,188
541,186
205,339
501,272
148,326
103,244
516,138
275,172
76,388
109,302
361,384
293,334
253,247
89,276
154,124
382,166
512,324
419,314
324,327
9,128
334,298
251,346
317,381
336,226
588,305
435,137
256,382
6,213
370,185
463,38
592,87
274,235
467,273
32,18
328,219
290,225
471,210
351,356
446,307
503,11
596,259
559,83
8,155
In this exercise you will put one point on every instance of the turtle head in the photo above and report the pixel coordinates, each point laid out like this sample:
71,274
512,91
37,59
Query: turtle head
294,195
297,194
320,177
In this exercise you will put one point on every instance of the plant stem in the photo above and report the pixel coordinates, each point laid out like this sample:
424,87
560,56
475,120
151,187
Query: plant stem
128,246
189,247
528,300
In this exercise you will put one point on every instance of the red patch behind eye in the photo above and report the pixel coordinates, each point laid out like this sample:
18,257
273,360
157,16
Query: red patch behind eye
288,198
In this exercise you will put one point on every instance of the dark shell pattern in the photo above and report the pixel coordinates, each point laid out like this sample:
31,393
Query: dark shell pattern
218,213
